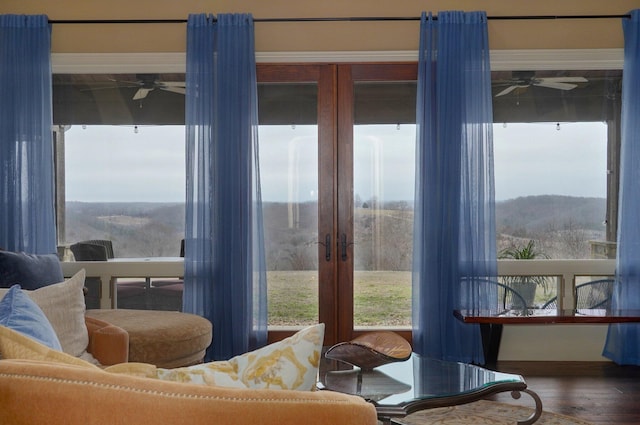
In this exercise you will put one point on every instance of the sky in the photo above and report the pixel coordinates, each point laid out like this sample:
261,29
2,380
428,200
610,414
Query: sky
114,163
539,159
125,164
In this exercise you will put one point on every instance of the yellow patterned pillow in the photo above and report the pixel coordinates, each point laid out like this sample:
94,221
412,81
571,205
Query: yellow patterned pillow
288,364
220,373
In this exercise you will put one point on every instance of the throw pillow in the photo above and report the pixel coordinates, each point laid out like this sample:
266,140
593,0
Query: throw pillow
30,271
63,304
14,345
21,313
288,364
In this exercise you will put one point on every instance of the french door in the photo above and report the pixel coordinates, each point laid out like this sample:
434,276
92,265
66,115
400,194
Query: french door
337,166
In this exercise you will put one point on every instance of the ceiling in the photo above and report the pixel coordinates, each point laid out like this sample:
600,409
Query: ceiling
110,99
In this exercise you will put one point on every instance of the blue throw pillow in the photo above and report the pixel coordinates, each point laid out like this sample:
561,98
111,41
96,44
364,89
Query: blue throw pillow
30,271
22,314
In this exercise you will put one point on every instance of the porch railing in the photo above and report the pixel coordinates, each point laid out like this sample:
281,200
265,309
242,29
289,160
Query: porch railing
566,272
109,271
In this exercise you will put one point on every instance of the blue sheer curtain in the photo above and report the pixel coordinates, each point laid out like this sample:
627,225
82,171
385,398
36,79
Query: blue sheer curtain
27,217
454,224
225,278
623,340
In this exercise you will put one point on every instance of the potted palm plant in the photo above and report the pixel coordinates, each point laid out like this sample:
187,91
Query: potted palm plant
526,286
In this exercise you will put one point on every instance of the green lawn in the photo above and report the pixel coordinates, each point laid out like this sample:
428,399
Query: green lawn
380,298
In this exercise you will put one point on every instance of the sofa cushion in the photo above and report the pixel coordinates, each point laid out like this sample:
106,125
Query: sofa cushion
288,364
63,304
21,313
30,271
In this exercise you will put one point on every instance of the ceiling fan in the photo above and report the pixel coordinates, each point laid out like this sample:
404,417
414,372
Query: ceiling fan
524,79
150,82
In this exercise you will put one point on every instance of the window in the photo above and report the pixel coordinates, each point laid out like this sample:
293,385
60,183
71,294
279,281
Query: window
556,153
556,143
121,161
126,184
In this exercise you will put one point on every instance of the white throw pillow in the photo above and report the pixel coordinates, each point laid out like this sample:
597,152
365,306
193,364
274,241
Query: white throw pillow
63,304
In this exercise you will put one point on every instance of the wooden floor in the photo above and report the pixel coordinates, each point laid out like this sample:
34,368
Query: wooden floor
599,392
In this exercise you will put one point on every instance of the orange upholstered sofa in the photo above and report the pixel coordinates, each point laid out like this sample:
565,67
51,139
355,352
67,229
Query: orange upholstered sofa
36,392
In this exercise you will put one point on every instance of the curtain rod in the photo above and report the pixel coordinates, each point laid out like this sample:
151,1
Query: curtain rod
331,19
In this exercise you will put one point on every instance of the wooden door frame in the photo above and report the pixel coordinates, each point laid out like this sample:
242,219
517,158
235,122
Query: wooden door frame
335,180
325,78
348,75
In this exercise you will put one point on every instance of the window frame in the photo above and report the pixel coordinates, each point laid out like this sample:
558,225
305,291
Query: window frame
501,60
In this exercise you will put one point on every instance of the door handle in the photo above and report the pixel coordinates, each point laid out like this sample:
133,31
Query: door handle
343,246
327,247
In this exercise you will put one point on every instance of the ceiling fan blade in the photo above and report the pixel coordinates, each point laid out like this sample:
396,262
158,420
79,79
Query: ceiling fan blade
141,93
509,90
563,80
171,84
559,86
180,90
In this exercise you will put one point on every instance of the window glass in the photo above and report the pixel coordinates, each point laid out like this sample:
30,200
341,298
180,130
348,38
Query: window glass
551,186
120,145
556,142
126,184
121,176
288,148
384,139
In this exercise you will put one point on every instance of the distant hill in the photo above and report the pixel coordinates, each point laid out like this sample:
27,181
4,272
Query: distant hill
137,229
563,225
535,214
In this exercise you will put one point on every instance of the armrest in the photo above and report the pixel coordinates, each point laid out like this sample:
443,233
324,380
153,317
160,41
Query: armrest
109,344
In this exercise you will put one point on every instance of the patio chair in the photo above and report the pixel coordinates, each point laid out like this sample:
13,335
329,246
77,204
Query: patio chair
108,245
595,294
90,252
507,298
84,251
131,294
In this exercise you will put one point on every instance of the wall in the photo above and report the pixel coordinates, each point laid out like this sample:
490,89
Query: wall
324,36
553,342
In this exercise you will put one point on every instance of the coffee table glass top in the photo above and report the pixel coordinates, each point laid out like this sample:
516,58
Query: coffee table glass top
427,381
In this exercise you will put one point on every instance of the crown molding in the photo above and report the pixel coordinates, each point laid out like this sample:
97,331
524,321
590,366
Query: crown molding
501,60
560,59
121,63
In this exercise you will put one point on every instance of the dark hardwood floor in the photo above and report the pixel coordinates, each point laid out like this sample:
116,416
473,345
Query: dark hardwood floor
602,393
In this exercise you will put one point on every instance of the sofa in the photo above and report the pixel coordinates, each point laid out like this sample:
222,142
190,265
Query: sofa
36,392
44,385
61,366
108,344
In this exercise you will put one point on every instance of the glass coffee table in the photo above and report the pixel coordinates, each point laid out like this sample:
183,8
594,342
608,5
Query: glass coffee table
400,388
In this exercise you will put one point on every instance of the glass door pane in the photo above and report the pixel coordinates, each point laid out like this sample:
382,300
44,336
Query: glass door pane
383,190
288,146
